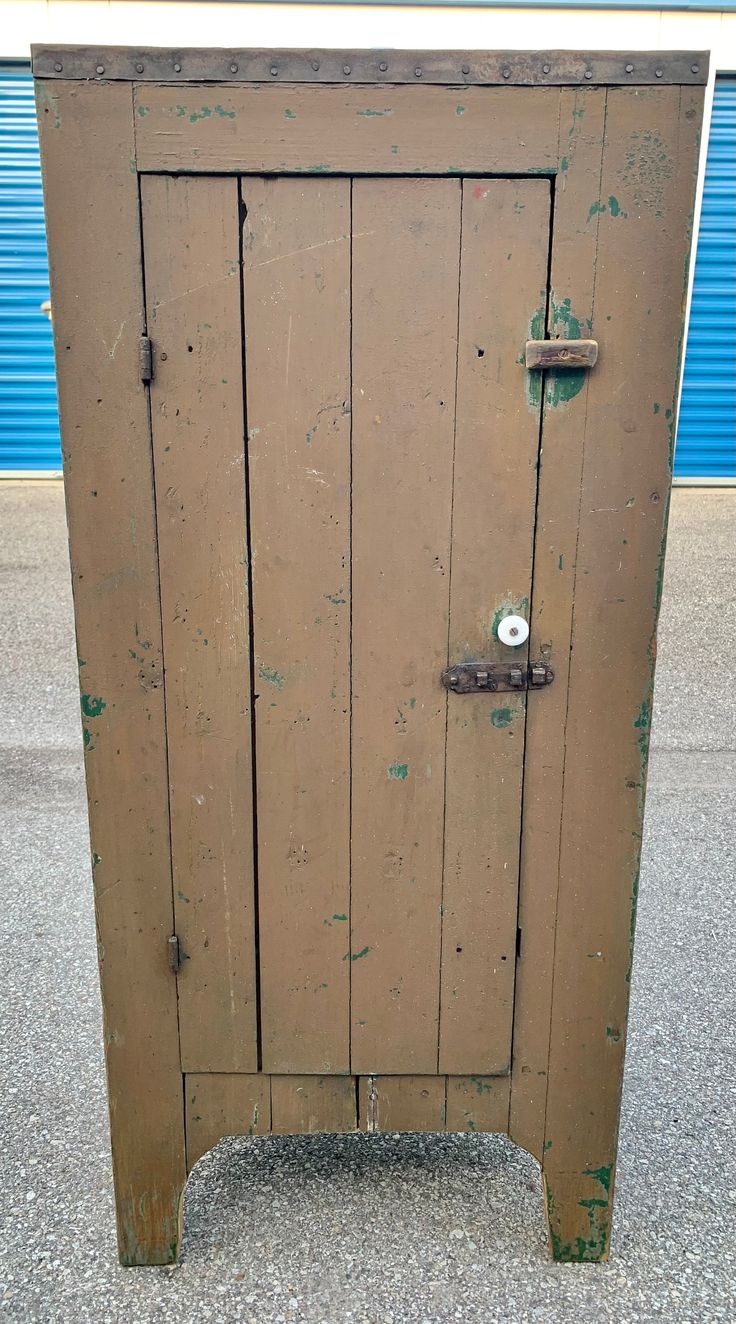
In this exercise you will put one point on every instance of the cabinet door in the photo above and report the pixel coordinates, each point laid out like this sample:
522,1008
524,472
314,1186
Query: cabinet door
346,451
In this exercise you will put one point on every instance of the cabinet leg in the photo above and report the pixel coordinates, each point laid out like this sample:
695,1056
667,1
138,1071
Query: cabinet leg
579,1207
150,1224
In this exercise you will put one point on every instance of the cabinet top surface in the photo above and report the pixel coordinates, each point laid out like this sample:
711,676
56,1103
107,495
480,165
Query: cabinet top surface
456,68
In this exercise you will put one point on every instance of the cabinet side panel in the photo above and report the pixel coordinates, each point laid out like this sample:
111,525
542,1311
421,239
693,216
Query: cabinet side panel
645,206
92,214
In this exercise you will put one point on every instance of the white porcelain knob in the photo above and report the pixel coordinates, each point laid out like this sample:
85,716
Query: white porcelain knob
513,630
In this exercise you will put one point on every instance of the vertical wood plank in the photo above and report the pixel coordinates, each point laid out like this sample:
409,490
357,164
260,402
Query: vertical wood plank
220,1105
191,247
297,315
503,279
645,205
405,294
97,291
308,1105
582,119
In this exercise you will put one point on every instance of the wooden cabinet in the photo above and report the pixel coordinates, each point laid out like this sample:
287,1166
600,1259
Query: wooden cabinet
366,605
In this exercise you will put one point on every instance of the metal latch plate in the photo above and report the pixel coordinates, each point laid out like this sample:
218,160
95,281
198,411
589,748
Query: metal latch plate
490,677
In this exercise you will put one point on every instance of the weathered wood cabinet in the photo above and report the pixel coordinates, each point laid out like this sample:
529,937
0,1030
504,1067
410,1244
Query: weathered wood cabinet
364,857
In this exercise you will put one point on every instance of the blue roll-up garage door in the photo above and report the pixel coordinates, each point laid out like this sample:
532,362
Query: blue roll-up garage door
29,426
706,434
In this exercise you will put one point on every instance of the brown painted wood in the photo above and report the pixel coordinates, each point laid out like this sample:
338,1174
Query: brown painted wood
191,244
478,1103
649,172
318,130
93,227
582,122
561,353
405,299
520,68
297,316
307,1105
503,275
220,1105
402,1103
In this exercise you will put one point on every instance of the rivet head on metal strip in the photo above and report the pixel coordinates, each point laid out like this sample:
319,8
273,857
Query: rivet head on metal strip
545,68
233,68
273,71
177,68
466,68
629,68
139,68
383,66
658,73
694,68
346,69
100,69
506,73
588,73
417,73
58,67
315,65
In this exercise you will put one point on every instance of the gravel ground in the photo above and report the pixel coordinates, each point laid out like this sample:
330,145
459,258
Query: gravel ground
371,1228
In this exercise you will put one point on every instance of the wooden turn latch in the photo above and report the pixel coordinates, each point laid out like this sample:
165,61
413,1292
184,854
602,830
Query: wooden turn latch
561,353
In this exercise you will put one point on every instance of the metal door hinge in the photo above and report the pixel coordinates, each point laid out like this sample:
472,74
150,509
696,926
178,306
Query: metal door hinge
175,954
477,677
146,359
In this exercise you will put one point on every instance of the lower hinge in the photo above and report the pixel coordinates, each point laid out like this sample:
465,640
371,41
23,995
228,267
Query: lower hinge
146,359
175,954
479,677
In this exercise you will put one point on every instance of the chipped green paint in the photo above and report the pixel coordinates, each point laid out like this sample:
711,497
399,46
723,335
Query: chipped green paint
181,896
613,207
96,859
603,1175
481,1086
412,703
537,323
143,111
335,599
561,562
224,114
469,1122
563,384
613,1035
460,110
547,1145
341,917
564,164
87,738
81,662
580,1250
501,717
91,706
398,772
181,111
370,114
349,956
204,114
289,114
272,676
394,149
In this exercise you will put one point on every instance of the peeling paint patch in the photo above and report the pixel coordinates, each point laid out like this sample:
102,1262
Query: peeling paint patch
92,706
501,717
272,676
398,772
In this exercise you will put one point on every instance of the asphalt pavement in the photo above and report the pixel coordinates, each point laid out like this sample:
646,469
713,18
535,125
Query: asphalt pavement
371,1229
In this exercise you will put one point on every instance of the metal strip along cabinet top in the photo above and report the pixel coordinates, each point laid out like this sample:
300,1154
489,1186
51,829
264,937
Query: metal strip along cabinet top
367,368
